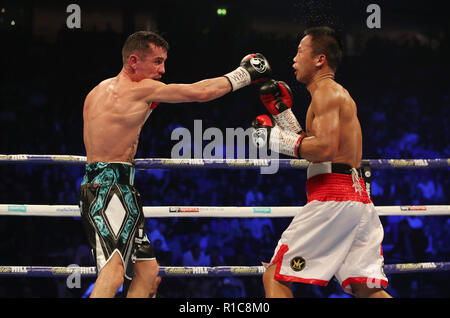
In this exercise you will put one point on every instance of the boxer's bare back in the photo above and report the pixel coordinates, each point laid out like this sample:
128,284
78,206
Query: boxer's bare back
117,108
113,119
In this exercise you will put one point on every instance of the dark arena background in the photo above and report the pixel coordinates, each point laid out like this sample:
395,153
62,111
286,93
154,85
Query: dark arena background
396,67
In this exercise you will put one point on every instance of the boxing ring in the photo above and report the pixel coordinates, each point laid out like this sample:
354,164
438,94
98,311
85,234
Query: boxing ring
25,210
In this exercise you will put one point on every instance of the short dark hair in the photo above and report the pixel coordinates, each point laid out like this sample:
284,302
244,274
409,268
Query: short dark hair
138,42
326,41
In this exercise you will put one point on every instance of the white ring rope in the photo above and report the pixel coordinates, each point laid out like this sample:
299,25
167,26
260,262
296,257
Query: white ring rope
212,211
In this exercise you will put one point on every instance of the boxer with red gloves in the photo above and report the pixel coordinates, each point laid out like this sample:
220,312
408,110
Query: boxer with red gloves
337,233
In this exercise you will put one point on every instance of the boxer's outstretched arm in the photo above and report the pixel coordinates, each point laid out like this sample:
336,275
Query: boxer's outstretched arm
323,136
201,91
253,68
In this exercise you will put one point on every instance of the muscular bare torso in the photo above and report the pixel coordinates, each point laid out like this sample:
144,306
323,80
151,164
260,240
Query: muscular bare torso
113,119
349,148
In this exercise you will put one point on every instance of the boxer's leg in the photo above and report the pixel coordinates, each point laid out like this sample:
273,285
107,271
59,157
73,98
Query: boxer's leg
144,278
110,278
363,291
275,288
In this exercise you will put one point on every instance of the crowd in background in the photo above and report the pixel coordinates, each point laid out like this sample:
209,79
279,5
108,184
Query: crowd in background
403,103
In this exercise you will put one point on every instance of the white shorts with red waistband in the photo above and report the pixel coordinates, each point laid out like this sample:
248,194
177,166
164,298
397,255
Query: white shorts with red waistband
337,233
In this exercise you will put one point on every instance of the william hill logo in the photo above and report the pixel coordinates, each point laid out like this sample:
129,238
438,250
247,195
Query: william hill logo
298,263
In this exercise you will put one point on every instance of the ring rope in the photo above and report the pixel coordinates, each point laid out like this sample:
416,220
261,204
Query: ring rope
218,271
212,211
166,163
199,271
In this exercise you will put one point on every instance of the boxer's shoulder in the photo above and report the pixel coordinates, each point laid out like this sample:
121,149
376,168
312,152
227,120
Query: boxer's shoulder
327,98
101,86
329,90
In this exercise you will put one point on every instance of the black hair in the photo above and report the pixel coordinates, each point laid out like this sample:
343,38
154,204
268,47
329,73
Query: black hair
326,41
138,42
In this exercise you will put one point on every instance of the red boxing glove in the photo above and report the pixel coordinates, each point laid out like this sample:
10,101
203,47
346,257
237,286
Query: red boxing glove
263,121
267,132
276,96
262,125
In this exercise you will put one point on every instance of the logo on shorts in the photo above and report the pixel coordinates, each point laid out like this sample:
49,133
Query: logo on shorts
298,263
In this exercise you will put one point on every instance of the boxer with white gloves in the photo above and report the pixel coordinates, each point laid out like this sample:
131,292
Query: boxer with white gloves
114,114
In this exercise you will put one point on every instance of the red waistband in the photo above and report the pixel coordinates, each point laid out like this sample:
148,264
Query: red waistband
335,187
